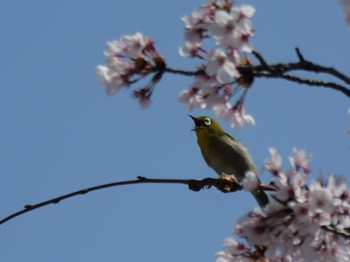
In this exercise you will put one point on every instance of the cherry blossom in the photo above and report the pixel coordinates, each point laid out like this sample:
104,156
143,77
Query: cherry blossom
274,163
220,66
217,34
234,251
130,59
301,223
231,28
299,159
114,74
191,98
128,46
190,49
144,97
236,114
250,181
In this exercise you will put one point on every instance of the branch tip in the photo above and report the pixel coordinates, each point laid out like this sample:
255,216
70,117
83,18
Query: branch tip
300,56
261,59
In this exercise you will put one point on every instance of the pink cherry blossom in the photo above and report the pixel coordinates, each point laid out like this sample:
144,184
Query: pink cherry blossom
220,66
233,29
250,181
191,98
190,49
114,74
234,114
128,46
299,159
274,163
301,223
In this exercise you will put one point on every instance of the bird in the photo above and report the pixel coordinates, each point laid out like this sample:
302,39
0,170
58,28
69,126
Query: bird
225,154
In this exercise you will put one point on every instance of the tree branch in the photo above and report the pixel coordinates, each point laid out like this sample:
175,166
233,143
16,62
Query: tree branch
178,71
345,233
223,184
281,70
306,81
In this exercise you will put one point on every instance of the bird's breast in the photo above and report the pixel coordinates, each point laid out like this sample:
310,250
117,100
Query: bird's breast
218,158
225,155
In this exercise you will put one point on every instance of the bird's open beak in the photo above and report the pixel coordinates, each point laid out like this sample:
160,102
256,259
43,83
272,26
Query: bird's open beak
196,122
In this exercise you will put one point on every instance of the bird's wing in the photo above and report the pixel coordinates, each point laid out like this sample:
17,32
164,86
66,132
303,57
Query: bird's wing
235,152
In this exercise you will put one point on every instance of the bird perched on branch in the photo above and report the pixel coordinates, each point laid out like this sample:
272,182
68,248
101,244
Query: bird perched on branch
225,154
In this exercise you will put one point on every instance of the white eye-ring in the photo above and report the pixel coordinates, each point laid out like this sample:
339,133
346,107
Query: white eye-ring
207,121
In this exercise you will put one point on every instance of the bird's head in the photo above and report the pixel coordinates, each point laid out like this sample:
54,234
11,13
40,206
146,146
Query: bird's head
206,126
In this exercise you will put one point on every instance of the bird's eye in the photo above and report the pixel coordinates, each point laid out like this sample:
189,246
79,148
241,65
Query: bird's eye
207,121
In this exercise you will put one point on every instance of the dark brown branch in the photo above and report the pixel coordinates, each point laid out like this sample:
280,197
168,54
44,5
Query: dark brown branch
310,66
281,70
224,185
300,56
345,233
56,200
183,72
310,82
261,59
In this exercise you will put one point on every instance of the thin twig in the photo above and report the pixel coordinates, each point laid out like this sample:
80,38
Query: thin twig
56,200
261,59
306,81
193,184
300,56
224,185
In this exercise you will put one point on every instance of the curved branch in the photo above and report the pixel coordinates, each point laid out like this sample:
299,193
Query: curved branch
224,185
56,200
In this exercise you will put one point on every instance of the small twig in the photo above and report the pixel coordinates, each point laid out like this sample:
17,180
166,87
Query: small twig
300,56
261,59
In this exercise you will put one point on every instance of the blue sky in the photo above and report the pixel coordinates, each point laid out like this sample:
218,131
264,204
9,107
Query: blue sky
60,132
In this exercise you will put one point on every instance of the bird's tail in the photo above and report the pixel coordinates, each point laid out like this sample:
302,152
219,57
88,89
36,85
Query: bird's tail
260,197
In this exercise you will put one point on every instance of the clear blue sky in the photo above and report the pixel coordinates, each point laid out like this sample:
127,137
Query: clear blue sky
60,132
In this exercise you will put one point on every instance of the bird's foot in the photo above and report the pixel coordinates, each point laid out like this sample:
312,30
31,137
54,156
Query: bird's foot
228,183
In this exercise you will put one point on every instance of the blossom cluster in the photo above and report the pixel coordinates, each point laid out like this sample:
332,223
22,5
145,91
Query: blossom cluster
224,69
302,222
128,60
231,28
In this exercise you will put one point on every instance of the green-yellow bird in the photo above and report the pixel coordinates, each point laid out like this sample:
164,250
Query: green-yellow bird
225,154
